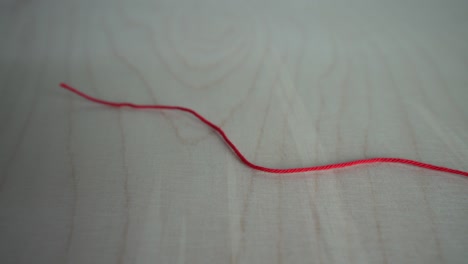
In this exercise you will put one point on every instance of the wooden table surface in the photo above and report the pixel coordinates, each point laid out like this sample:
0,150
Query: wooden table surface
293,83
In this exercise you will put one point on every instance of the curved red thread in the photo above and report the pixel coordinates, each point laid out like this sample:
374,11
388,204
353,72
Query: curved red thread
255,166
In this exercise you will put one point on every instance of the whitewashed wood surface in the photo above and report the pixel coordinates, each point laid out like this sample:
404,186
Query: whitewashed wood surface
294,83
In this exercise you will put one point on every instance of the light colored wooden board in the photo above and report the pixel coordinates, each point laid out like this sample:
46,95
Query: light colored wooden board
294,83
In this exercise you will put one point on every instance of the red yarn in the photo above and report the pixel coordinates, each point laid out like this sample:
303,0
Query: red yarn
258,167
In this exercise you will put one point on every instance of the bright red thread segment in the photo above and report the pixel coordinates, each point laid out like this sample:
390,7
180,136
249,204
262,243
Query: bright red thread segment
258,167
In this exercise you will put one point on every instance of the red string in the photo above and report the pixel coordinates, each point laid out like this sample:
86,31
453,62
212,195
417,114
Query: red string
255,166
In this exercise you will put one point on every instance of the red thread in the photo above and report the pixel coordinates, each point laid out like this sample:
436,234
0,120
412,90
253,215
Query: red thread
258,167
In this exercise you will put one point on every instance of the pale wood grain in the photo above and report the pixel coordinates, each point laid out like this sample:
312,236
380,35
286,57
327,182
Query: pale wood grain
294,83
